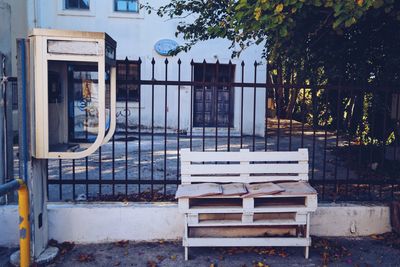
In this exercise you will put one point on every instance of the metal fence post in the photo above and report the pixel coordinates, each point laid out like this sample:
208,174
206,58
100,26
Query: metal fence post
7,94
2,120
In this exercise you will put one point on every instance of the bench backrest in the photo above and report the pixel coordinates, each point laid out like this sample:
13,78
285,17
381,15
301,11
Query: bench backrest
243,166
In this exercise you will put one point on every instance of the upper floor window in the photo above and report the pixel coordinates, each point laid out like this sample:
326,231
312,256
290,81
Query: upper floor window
126,6
77,4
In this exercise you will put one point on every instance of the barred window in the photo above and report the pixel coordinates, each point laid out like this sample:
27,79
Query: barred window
128,72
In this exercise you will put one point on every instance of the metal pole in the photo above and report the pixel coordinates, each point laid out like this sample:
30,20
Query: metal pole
2,116
24,225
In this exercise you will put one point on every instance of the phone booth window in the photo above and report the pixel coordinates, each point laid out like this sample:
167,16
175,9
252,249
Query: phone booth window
83,103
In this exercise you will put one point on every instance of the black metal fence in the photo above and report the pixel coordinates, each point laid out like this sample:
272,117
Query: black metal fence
352,133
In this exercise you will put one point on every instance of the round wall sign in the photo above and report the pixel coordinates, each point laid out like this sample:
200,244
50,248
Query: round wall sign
165,46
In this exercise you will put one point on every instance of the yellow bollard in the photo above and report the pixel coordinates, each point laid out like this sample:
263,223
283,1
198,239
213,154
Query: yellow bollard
24,225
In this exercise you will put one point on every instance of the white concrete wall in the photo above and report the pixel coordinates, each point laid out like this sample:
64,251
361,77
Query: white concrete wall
9,225
107,222
18,25
136,35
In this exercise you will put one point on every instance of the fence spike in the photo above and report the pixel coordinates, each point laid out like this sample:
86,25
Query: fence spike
153,61
166,61
140,60
179,61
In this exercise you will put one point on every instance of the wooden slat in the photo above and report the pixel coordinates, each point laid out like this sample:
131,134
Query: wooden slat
274,156
248,219
229,231
297,188
247,242
223,209
239,223
239,179
238,169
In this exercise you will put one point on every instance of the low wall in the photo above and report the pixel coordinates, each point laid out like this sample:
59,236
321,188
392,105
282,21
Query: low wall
107,222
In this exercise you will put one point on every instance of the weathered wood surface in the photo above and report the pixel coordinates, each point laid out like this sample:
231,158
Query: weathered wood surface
242,231
198,190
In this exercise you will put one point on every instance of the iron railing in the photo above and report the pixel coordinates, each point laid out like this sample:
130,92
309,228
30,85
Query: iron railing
352,132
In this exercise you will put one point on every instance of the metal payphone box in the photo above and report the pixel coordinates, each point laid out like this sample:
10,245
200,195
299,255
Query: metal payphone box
72,83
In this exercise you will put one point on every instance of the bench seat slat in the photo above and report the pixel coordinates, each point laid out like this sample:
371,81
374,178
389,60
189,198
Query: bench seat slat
194,156
205,169
247,242
274,209
292,189
241,179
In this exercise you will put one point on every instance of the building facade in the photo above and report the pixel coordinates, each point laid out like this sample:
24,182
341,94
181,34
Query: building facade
136,33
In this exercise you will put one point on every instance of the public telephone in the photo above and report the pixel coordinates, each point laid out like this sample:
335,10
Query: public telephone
74,83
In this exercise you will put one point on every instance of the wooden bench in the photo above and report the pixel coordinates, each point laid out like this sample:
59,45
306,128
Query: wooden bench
281,219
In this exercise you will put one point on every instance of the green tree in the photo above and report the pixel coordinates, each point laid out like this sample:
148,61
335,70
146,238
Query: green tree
293,32
318,42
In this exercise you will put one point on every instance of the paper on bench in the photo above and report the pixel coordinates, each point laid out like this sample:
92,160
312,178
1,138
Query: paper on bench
198,190
233,189
262,189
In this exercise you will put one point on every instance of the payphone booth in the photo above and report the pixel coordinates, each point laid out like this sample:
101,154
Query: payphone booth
74,92
66,109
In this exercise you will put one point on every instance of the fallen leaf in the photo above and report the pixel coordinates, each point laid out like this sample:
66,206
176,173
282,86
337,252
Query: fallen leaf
122,243
151,264
85,257
160,258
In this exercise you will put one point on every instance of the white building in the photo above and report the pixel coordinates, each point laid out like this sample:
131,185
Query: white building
136,33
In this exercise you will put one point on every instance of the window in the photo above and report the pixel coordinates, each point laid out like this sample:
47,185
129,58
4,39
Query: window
213,104
77,4
128,71
126,6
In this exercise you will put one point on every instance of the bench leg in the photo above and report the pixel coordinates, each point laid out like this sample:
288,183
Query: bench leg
186,253
307,249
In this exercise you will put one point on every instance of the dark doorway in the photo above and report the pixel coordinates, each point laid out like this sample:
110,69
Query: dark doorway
213,104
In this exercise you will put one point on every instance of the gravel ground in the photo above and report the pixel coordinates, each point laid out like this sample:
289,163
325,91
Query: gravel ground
325,252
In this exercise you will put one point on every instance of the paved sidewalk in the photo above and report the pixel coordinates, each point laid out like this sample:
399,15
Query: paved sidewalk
325,252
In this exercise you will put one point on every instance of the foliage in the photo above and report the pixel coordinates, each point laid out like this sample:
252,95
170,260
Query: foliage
318,42
300,35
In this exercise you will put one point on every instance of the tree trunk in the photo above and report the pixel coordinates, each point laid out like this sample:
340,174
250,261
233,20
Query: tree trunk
279,94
